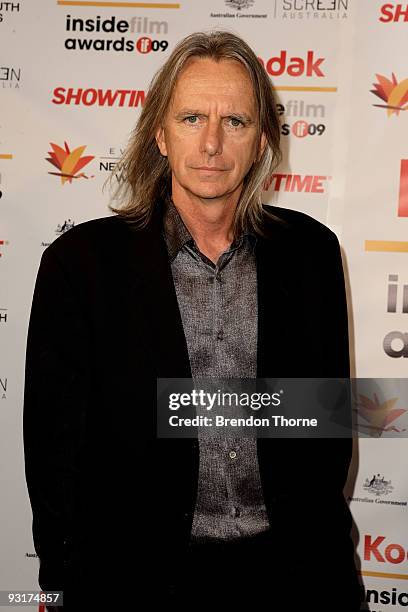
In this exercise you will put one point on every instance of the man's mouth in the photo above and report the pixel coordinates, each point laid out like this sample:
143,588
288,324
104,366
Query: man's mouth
210,169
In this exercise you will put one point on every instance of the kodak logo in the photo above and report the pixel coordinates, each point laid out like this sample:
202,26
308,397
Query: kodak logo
294,66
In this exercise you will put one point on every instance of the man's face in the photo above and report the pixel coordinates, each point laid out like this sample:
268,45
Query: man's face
209,133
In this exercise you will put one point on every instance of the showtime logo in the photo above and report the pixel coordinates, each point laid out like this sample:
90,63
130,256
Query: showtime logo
98,97
300,183
295,66
378,550
393,12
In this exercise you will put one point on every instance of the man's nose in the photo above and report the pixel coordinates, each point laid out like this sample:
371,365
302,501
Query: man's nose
211,138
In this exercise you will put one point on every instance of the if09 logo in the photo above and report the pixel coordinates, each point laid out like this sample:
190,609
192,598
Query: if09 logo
301,129
145,45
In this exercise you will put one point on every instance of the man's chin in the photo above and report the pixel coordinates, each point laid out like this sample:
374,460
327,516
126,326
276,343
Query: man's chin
210,194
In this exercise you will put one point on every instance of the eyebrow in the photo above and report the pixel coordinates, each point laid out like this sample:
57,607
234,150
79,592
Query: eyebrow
194,111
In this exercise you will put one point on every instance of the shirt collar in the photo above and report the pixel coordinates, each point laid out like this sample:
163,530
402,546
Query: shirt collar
175,231
177,235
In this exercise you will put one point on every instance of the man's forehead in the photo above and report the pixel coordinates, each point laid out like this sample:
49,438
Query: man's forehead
204,80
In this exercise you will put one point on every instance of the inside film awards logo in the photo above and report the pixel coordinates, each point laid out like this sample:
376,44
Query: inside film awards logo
377,485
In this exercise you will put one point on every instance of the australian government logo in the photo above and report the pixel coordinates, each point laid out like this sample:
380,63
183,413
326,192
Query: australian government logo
378,489
61,229
239,9
311,9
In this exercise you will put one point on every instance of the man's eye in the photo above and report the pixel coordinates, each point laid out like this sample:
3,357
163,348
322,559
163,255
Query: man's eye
235,122
191,119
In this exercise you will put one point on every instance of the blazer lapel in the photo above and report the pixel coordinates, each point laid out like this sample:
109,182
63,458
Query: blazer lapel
273,279
154,291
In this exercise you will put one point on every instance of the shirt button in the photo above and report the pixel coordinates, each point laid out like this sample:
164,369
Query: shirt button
232,454
220,335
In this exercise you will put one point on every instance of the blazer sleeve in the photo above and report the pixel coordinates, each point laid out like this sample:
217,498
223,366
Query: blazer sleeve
333,314
334,311
54,414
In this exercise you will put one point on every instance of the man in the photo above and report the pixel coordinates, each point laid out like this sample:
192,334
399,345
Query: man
192,277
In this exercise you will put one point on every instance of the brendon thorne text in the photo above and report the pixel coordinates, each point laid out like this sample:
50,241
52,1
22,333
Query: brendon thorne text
251,421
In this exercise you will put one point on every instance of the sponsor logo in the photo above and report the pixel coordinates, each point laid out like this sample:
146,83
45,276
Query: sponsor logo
111,162
393,12
394,290
395,343
395,246
238,5
311,9
3,388
377,485
295,66
300,108
93,32
68,162
378,488
301,128
378,415
10,77
61,229
98,97
64,227
372,596
8,7
394,94
3,156
300,183
377,549
241,10
403,190
3,243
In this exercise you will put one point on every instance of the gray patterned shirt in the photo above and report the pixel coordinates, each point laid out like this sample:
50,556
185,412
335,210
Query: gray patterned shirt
218,306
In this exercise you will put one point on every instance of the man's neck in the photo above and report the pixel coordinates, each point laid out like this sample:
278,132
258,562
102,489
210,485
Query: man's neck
209,222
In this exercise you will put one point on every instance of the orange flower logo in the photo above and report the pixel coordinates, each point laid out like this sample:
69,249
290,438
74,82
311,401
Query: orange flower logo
68,162
379,416
394,94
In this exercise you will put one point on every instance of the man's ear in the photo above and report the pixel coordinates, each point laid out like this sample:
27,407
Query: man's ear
262,146
161,140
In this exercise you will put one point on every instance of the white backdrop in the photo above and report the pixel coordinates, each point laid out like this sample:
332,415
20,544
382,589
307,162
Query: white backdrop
65,87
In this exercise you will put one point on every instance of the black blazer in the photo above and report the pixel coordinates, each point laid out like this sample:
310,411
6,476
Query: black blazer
105,492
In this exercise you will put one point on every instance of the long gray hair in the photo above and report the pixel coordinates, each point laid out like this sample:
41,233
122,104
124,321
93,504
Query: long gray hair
148,174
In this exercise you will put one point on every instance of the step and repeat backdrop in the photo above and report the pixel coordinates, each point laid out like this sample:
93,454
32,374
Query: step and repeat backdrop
73,80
